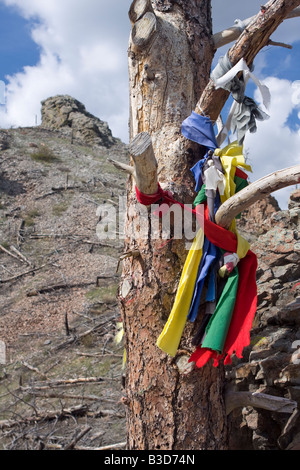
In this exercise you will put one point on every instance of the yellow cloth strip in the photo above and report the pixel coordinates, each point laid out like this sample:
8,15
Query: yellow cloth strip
232,157
170,337
242,245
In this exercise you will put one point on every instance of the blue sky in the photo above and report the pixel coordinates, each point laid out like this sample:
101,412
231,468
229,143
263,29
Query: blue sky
17,48
80,48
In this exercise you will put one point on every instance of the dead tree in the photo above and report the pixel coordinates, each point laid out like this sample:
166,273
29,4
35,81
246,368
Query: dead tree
170,55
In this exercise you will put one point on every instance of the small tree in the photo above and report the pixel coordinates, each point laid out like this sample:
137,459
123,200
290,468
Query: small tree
170,55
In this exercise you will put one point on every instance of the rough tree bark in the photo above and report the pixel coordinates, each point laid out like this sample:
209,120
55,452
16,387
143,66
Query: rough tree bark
170,53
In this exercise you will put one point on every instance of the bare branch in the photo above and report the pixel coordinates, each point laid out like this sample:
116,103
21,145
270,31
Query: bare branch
122,166
2,248
279,44
2,281
258,400
77,438
255,191
23,258
118,446
232,34
34,369
79,410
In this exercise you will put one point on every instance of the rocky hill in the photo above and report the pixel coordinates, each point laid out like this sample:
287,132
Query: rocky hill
61,377
70,117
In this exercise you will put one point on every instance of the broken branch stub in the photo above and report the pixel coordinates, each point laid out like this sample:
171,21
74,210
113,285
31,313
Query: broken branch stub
254,192
138,9
143,30
145,163
122,166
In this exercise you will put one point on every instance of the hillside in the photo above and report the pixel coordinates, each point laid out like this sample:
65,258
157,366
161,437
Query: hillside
59,281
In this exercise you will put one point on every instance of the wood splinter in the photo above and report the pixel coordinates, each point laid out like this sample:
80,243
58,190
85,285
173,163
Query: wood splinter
131,253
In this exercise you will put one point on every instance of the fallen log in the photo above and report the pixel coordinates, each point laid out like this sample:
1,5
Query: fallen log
18,276
235,400
80,410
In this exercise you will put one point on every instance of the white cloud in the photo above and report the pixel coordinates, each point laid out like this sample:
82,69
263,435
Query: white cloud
26,90
83,53
276,145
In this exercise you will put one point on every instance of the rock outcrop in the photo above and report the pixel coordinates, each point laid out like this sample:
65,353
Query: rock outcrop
257,219
4,140
68,115
271,363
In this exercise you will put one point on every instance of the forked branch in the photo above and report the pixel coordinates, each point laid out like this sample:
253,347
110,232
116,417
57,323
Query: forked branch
250,42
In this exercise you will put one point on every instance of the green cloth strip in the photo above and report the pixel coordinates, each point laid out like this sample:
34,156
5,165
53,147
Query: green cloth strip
201,196
217,328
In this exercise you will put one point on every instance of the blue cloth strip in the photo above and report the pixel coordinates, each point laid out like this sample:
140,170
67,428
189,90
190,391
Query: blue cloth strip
211,289
199,129
210,256
197,172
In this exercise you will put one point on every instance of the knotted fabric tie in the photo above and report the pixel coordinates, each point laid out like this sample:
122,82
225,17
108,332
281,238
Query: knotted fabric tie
244,111
160,196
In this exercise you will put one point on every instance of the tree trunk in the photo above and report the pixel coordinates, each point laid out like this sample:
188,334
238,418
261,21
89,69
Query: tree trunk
170,55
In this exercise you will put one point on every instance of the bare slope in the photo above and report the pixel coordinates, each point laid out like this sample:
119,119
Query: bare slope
58,286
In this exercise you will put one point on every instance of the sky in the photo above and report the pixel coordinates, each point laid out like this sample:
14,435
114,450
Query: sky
79,48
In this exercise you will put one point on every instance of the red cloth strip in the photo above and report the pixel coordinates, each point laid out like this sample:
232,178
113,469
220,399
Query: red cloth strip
240,173
160,195
298,284
148,199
